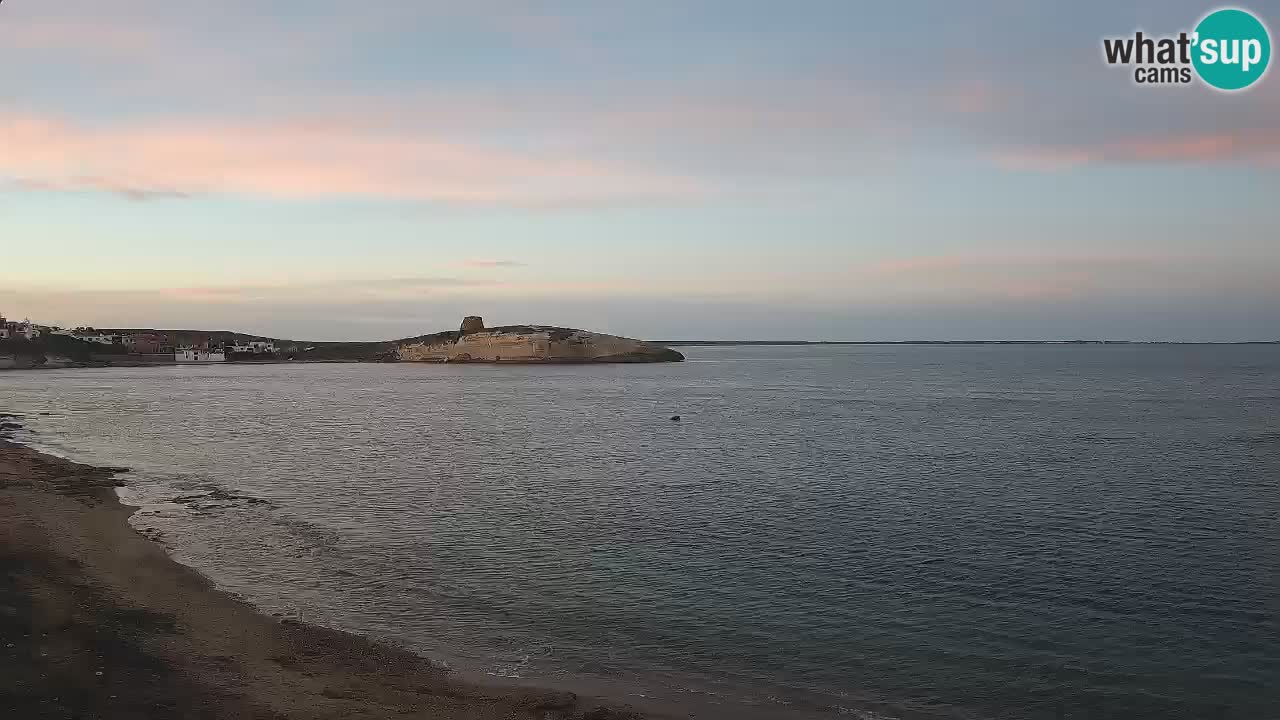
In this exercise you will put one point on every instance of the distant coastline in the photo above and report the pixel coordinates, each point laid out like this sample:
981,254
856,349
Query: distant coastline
39,355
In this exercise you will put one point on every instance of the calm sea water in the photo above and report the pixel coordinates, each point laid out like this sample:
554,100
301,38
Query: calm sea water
950,532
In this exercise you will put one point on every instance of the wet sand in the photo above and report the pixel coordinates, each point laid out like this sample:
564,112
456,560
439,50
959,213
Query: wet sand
96,621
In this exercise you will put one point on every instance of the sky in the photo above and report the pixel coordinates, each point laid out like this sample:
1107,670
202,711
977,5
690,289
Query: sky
701,169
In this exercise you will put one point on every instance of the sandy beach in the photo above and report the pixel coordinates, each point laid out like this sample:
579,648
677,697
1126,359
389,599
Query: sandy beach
96,621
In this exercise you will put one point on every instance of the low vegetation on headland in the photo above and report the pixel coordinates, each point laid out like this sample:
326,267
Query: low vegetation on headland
472,342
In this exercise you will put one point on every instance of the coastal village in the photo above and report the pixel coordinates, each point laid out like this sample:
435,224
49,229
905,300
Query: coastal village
161,345
149,346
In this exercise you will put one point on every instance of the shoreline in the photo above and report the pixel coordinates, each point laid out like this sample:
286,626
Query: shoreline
97,620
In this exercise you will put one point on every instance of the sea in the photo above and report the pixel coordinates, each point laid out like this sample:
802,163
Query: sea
874,531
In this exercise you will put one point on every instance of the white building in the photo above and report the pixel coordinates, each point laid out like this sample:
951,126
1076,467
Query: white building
11,329
198,355
256,347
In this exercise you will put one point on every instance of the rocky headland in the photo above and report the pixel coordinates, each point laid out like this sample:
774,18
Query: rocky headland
473,342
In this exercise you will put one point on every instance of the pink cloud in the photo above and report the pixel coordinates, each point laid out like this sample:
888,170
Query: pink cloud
1007,263
493,263
717,114
662,133
974,97
1043,159
910,265
1241,147
63,34
352,289
308,159
91,183
1015,275
1192,148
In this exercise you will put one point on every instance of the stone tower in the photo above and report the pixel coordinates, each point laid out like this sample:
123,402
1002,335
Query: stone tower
472,324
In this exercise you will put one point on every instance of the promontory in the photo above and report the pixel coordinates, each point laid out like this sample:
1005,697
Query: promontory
473,342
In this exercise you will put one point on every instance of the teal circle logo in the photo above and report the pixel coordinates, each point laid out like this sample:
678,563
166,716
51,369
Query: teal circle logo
1232,49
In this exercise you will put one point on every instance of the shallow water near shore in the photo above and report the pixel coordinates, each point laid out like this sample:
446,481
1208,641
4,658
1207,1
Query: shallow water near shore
951,532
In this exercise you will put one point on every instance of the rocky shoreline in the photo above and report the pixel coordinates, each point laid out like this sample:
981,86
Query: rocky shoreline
97,621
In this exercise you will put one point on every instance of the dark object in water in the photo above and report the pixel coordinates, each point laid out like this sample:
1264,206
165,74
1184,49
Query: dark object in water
675,418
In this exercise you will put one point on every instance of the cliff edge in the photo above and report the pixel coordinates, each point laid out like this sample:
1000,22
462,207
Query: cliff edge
473,342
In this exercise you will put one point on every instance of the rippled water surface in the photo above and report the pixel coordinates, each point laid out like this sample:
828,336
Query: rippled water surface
952,532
